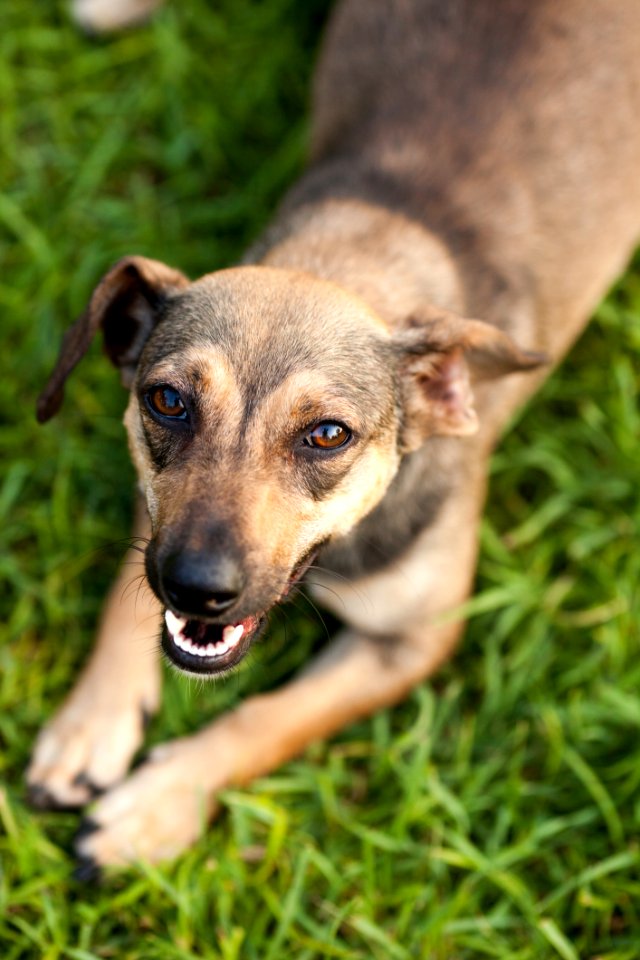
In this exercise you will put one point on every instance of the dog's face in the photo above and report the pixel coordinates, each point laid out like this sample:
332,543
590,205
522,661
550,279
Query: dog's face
268,414
262,421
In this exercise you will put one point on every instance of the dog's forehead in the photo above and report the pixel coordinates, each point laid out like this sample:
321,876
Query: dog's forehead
269,324
249,305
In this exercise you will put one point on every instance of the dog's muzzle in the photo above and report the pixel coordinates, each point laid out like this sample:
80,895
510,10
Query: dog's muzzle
201,594
207,630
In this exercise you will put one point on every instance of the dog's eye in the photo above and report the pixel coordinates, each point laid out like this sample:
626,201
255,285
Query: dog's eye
167,402
327,436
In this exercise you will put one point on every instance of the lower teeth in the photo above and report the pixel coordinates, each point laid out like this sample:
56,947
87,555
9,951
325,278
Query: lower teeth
231,636
211,649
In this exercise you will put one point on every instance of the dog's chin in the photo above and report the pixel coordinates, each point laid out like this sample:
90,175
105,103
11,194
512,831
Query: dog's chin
207,649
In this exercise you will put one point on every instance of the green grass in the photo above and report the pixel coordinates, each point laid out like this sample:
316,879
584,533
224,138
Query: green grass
497,812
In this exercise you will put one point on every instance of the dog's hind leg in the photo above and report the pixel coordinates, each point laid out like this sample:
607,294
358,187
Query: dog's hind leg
89,743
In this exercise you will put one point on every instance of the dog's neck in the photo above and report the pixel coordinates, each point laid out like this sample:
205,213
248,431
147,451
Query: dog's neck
389,261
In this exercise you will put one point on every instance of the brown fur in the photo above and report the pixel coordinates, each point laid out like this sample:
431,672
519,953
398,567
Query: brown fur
469,160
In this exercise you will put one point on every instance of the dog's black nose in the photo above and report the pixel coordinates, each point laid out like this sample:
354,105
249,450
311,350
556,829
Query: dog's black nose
201,585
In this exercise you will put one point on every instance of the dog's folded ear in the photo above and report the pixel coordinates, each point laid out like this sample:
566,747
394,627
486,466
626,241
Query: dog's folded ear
126,305
439,356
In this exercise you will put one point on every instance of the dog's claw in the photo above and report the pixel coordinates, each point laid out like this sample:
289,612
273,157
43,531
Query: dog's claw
87,871
82,780
87,826
39,797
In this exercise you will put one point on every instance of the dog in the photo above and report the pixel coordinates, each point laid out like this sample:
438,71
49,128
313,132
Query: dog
473,190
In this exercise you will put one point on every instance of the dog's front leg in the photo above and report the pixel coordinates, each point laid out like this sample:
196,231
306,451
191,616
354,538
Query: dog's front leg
164,806
89,743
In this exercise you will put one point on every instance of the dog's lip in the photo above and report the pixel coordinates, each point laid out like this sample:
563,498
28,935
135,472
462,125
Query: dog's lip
183,641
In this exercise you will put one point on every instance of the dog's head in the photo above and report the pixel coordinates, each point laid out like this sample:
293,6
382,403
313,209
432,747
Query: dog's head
269,411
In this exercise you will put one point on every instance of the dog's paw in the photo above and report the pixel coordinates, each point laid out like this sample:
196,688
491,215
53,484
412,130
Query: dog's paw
89,743
159,811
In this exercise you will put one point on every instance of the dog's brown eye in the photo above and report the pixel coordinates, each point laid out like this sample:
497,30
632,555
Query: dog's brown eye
327,436
167,402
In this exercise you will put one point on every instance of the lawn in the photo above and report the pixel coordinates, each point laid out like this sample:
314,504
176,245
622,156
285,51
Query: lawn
494,814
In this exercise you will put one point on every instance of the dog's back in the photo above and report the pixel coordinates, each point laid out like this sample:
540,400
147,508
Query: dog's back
509,128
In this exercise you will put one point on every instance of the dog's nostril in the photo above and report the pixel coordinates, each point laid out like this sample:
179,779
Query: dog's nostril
205,587
194,600
222,600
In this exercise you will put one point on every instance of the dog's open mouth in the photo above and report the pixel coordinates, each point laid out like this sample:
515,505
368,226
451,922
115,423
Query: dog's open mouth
206,648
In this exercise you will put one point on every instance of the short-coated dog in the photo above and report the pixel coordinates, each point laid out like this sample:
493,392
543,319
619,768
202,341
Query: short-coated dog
473,190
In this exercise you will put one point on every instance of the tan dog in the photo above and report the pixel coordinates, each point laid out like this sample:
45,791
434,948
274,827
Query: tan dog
327,398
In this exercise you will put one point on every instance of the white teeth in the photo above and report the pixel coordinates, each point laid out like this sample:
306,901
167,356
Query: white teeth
232,635
189,647
175,625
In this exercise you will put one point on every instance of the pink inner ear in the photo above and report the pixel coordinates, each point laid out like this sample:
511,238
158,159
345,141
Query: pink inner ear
447,390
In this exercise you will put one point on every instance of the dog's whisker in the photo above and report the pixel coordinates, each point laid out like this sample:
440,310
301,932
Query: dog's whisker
143,589
149,618
137,548
364,599
303,596
93,554
150,647
324,586
332,573
135,583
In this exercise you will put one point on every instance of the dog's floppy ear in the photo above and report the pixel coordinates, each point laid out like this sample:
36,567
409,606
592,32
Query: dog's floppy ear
126,305
439,355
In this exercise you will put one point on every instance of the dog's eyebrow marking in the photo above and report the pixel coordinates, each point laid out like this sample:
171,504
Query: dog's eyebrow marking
204,366
208,374
303,397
